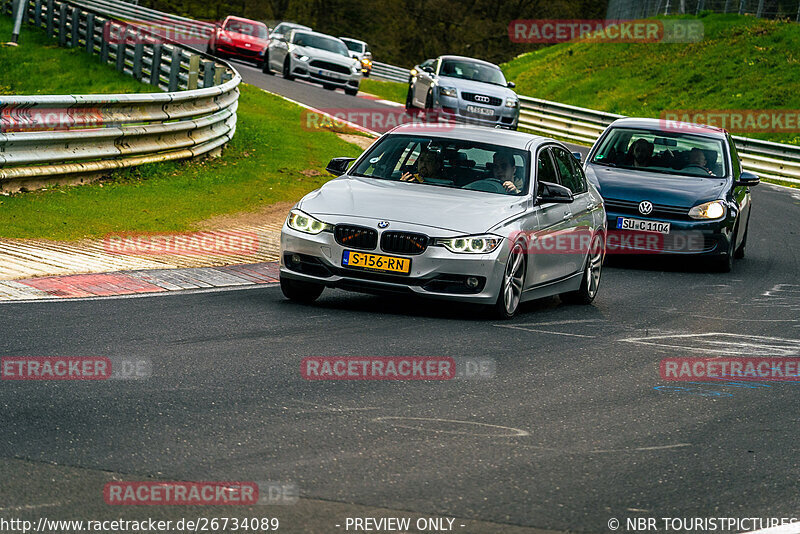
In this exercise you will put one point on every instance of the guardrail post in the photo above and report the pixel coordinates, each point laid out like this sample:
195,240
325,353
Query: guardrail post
104,44
76,26
62,25
174,69
218,74
50,18
90,33
138,51
208,74
121,45
155,66
37,13
194,72
17,9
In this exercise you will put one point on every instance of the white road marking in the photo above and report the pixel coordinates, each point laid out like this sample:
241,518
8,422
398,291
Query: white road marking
542,331
789,528
738,344
515,432
737,319
29,507
143,295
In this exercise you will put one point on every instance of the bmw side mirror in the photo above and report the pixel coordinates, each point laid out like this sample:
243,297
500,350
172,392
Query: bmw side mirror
577,155
338,166
511,85
549,192
428,69
748,179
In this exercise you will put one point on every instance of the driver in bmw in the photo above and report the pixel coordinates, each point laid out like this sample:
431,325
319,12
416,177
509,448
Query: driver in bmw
504,170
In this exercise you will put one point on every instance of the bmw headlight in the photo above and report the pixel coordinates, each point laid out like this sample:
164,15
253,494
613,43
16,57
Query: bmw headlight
224,37
710,210
474,244
303,222
512,102
448,91
299,57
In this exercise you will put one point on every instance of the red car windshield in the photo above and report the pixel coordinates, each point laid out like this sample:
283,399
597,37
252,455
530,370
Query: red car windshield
246,28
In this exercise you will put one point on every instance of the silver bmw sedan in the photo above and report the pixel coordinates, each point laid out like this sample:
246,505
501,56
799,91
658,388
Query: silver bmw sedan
464,213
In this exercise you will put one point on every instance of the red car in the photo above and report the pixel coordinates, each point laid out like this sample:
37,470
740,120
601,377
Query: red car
240,38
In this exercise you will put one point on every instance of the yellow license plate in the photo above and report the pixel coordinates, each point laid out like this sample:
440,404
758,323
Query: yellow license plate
376,262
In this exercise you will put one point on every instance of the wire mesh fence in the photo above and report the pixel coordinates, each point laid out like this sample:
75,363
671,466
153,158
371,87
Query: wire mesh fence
636,9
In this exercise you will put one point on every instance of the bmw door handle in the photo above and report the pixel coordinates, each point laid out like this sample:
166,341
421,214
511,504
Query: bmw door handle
567,216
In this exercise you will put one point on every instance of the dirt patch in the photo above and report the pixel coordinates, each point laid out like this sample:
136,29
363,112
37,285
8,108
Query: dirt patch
272,214
311,172
359,140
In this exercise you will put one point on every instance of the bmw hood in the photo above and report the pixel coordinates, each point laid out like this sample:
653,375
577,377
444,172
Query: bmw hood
670,190
457,210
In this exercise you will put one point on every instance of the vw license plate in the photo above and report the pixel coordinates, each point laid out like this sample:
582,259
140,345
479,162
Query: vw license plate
376,262
623,223
480,111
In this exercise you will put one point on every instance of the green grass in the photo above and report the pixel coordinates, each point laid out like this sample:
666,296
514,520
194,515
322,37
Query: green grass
39,66
262,165
743,63
391,91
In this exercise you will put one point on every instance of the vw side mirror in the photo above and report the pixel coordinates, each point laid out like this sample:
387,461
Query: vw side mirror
577,155
748,179
338,166
511,85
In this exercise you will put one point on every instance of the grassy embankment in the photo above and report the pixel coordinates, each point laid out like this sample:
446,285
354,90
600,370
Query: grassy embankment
270,159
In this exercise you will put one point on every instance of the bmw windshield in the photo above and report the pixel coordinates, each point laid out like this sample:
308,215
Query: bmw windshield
447,163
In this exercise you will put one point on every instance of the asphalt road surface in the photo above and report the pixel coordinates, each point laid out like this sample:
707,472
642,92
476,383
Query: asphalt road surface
576,426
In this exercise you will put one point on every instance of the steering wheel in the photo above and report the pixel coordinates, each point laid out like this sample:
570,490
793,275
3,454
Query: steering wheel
489,185
697,166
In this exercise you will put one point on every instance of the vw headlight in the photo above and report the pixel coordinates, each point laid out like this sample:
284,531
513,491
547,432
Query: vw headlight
448,91
511,102
710,210
475,244
303,222
299,57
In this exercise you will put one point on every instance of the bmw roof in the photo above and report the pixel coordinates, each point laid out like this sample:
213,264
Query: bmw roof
478,134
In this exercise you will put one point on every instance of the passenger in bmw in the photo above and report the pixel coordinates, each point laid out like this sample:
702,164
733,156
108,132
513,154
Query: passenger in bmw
430,168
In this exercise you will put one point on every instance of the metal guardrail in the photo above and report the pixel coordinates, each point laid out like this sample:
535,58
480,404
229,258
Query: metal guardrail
770,160
389,73
42,136
581,125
